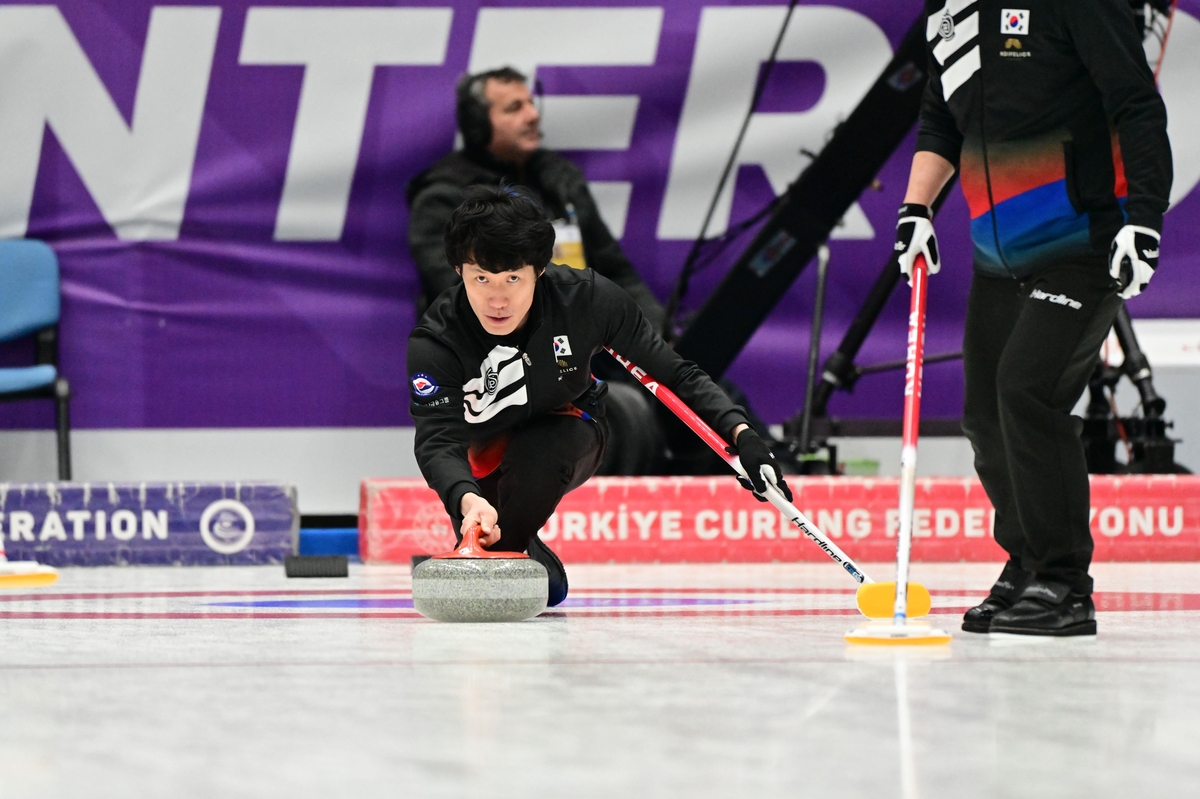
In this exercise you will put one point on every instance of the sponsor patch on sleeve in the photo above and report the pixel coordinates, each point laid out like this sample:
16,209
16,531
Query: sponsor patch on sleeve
423,385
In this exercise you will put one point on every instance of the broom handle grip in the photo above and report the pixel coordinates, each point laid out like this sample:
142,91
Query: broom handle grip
718,445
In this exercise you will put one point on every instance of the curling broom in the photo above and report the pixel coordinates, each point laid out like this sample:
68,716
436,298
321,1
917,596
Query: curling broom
899,631
24,573
875,600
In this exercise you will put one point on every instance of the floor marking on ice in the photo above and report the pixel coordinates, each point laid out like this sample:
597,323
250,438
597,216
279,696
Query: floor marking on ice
714,590
349,603
38,597
571,602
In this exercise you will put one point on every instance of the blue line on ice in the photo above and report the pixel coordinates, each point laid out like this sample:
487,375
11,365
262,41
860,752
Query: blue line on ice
571,602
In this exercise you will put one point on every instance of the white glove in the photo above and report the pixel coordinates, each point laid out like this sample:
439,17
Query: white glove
915,236
1133,258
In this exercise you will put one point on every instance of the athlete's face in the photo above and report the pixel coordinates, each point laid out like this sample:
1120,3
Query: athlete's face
516,124
501,300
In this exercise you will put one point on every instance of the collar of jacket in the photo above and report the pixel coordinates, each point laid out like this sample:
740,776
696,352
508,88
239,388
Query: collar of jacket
463,168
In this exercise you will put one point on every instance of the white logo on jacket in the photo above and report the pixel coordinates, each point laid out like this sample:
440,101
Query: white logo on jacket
958,50
1014,22
1057,299
946,27
500,385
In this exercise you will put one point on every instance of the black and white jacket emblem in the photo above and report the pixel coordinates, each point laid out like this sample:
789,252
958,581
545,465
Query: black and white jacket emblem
500,385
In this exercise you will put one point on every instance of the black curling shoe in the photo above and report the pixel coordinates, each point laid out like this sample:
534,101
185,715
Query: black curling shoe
1046,607
1004,593
538,550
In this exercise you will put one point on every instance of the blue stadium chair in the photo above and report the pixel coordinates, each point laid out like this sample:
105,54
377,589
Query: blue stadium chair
29,305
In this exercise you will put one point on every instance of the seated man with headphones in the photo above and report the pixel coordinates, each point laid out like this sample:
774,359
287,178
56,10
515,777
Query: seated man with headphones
501,133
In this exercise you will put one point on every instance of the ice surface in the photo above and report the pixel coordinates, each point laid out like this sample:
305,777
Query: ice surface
679,681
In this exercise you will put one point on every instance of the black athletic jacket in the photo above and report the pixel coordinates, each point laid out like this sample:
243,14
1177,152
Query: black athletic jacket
469,386
1051,113
435,193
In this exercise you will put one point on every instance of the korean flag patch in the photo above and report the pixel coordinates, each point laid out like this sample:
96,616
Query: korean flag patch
1014,21
562,346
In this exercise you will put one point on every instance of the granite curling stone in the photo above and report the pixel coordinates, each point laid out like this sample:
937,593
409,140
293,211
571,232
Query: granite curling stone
472,584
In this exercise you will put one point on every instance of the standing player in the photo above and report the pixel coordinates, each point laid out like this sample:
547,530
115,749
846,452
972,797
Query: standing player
508,416
1051,115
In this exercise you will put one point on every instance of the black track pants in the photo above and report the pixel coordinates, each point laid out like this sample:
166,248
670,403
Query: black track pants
545,459
1028,350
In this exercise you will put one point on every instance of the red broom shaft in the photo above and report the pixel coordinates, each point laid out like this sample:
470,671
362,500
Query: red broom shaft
773,495
677,406
912,417
916,353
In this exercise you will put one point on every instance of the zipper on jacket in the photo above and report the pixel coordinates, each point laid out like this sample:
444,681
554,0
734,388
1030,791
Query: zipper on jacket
987,170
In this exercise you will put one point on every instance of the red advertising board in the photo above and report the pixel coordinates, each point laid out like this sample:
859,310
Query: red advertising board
712,519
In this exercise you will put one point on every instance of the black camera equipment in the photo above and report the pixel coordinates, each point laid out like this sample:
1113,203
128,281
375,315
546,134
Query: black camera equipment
1148,449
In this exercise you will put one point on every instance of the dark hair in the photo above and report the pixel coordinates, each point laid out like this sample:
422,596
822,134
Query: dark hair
501,229
471,105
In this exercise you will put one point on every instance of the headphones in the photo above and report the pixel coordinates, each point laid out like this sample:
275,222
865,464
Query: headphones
471,111
471,105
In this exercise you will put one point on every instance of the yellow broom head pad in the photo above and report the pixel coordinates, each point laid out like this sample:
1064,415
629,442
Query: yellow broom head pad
877,600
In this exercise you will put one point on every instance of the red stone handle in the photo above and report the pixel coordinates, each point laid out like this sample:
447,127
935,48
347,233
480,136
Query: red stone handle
471,548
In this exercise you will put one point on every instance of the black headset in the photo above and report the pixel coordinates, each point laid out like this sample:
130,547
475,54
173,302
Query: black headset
471,106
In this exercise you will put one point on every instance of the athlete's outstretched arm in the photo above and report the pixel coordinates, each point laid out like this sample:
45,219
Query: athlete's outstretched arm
442,437
627,331
623,326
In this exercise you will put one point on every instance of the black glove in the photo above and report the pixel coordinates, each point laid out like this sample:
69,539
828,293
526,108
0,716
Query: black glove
915,236
756,458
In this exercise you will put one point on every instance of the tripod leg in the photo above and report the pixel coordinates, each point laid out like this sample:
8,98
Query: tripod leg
62,418
1151,450
838,371
814,348
1136,366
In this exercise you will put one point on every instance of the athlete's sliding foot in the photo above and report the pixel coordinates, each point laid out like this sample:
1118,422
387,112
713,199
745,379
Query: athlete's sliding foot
1004,593
1047,607
538,551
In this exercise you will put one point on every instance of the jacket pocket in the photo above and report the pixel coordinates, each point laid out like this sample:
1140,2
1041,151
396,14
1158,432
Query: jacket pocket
1071,180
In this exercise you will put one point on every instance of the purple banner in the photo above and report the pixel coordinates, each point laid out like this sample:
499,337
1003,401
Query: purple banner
189,524
224,185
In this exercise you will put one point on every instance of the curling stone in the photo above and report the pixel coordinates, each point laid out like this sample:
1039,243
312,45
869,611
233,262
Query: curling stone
472,584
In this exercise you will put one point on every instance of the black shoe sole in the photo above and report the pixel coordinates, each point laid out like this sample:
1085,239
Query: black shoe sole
977,626
1078,628
537,550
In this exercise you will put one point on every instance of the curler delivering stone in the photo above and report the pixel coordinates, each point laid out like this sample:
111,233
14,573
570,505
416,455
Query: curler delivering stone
472,584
